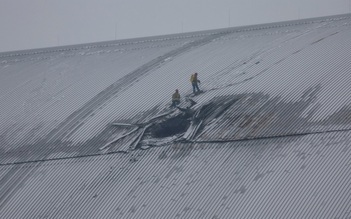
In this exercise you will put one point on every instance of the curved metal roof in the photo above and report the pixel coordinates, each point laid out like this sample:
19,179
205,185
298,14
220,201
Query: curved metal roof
268,138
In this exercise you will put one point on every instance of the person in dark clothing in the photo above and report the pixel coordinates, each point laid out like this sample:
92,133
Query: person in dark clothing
175,98
194,82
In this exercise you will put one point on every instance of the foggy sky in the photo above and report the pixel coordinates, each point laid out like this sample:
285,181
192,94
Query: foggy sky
27,24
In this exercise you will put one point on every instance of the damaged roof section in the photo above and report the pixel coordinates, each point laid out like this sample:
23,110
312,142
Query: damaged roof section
274,92
282,79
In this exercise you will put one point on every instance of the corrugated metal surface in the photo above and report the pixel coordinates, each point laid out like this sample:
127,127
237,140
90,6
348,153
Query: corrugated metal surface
296,177
269,138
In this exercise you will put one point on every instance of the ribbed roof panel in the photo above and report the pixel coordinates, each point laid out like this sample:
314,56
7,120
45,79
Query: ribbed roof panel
269,137
289,177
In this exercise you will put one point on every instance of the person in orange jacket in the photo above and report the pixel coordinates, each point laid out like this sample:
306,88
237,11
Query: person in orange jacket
175,98
194,82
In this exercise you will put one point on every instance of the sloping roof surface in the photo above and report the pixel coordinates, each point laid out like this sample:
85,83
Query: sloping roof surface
269,137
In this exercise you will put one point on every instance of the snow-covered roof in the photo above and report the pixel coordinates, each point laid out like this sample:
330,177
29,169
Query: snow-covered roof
87,131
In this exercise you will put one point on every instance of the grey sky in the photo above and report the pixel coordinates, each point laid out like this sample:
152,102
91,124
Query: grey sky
27,24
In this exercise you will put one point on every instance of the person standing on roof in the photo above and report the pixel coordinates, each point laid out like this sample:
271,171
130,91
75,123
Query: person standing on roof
175,98
194,81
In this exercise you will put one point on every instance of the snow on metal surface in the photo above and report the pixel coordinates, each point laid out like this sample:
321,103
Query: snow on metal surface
295,177
283,85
